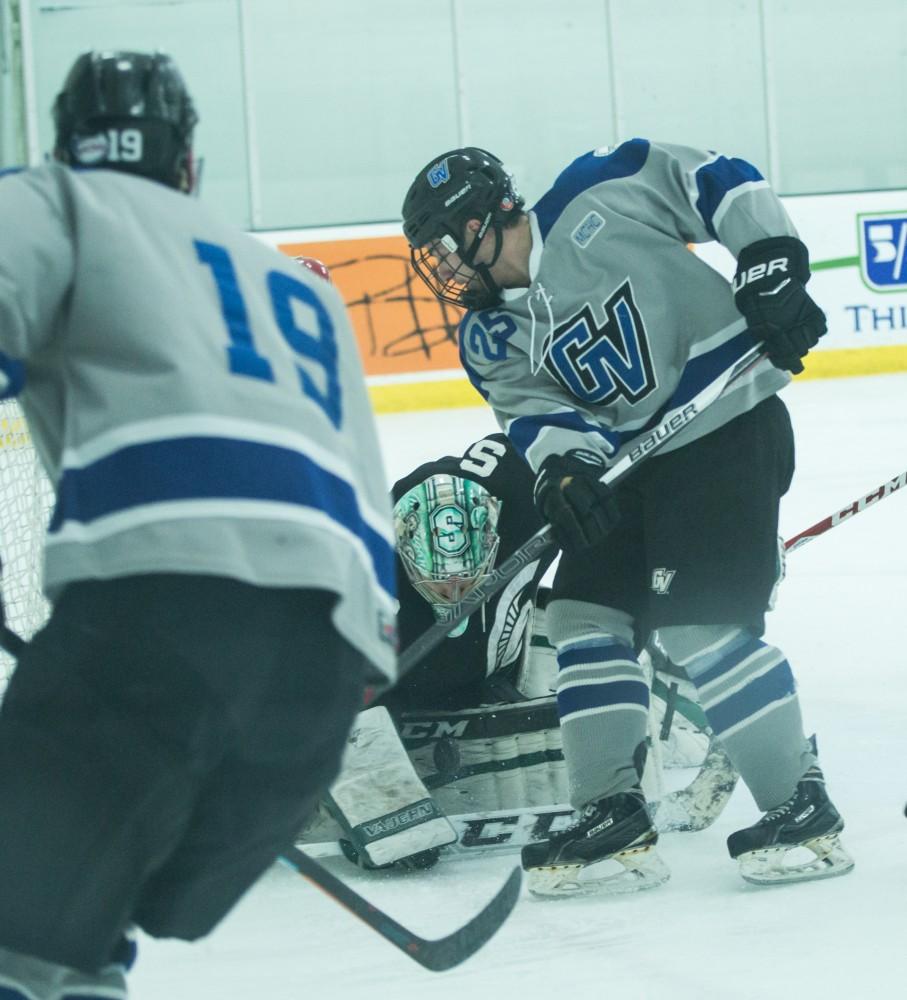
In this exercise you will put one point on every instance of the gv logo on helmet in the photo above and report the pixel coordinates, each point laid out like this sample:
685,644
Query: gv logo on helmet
439,174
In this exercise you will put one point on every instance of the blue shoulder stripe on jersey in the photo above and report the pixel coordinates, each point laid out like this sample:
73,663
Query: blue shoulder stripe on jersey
715,179
212,468
524,431
12,376
478,383
585,172
8,171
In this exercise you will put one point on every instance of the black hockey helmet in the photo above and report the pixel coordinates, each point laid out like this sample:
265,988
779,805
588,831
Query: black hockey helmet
462,184
127,111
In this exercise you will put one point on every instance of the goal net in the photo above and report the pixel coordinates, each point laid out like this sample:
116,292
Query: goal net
25,501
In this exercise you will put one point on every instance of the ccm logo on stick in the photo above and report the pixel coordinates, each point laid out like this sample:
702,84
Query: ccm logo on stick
864,502
759,271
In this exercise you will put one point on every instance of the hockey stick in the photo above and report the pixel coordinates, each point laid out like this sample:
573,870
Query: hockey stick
543,540
833,520
436,955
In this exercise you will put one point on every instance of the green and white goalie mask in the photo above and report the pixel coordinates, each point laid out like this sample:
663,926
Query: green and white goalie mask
447,538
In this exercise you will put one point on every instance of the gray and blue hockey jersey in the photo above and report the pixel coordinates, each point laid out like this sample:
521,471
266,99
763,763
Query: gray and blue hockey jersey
196,397
621,322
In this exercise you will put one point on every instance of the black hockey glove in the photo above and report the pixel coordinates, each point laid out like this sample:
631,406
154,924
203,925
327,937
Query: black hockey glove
570,496
769,291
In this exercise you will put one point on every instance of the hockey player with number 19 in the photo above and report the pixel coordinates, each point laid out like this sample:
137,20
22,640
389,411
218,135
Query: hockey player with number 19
220,558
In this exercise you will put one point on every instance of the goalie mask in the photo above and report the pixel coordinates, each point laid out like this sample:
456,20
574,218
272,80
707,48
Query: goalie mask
460,185
447,538
127,111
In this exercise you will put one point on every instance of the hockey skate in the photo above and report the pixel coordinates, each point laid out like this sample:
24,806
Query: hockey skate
609,849
806,823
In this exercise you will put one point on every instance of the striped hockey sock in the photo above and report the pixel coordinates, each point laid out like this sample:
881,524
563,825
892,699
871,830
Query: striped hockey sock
603,704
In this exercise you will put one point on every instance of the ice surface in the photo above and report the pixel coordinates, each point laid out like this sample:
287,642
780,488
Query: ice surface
706,934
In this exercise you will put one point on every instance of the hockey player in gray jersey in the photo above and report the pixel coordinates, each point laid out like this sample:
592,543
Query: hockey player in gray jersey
588,319
220,558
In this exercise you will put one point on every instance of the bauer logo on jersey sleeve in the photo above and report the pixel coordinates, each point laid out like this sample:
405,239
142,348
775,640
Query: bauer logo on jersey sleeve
587,230
883,251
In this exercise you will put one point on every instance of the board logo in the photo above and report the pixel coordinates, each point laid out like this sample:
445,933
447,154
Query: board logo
883,250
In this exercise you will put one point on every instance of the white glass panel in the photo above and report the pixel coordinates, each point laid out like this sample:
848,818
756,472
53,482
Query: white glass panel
348,101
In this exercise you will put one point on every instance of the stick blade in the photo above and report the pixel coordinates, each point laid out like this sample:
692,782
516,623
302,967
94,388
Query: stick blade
447,952
435,955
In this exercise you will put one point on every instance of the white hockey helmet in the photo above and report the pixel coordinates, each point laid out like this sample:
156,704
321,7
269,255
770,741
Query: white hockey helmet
447,537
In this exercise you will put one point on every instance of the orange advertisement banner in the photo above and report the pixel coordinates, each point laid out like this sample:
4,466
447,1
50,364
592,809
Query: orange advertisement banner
401,327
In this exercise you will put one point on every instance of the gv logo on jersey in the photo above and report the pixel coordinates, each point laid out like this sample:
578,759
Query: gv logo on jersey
883,251
439,174
598,364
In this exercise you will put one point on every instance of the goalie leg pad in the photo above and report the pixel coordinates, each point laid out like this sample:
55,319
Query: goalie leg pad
379,801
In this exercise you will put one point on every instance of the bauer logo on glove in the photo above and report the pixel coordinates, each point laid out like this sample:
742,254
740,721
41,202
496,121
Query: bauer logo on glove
769,289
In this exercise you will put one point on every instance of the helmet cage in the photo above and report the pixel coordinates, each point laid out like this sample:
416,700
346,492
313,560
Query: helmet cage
464,184
447,539
469,285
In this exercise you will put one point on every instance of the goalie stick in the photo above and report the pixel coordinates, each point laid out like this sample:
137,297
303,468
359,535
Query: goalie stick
435,955
673,422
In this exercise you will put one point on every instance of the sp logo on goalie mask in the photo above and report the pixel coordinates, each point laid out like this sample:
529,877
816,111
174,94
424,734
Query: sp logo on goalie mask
661,580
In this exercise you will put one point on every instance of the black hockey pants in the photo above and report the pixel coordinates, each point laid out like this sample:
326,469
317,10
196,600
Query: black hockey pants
162,740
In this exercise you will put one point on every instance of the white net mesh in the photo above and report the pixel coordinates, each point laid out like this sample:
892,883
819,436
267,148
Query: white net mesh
25,501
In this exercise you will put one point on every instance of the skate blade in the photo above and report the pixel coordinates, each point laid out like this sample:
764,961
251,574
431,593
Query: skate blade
768,867
637,868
